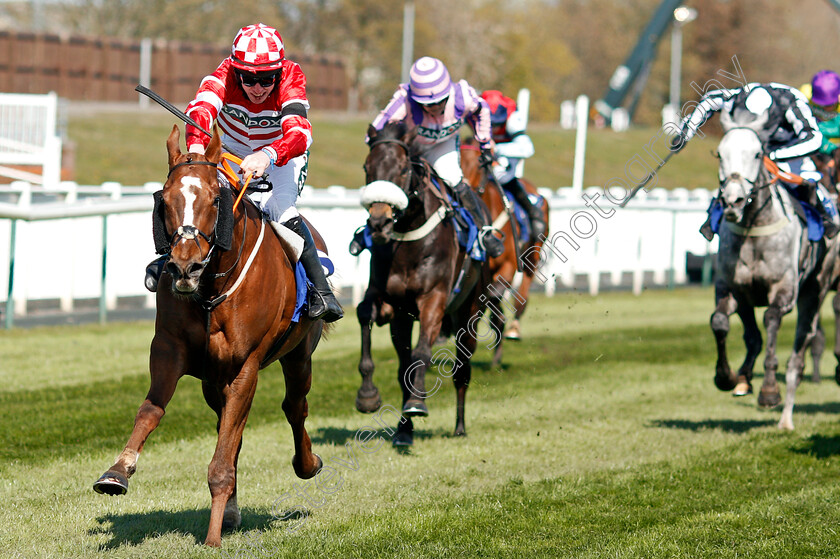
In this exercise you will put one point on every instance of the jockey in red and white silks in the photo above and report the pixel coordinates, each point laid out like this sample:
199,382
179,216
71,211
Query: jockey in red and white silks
269,124
259,100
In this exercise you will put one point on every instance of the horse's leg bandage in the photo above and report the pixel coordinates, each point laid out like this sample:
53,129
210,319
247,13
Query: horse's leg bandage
292,242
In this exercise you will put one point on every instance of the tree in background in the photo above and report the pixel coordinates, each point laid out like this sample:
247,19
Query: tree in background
558,49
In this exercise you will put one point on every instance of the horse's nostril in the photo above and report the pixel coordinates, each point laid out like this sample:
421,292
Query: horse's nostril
172,269
195,268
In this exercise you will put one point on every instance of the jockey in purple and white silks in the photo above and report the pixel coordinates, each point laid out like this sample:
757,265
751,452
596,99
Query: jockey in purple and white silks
437,107
788,131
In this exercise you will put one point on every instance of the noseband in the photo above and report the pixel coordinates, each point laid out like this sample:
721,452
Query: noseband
189,232
411,193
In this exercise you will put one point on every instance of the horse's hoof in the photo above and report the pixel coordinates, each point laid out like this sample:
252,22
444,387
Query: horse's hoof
724,382
111,483
368,404
459,432
415,408
313,472
513,332
231,520
742,389
402,439
769,399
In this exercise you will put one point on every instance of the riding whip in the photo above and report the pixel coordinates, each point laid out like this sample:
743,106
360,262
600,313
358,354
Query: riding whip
638,187
174,110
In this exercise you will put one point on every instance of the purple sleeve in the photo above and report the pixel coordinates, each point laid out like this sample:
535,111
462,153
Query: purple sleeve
395,110
479,115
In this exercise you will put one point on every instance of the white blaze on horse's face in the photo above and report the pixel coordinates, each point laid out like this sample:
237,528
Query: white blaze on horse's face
189,184
740,154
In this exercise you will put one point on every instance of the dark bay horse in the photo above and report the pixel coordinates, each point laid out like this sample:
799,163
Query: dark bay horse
224,311
764,259
415,265
504,267
829,166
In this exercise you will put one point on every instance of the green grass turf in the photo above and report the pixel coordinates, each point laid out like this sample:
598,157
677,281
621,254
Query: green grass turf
129,147
601,436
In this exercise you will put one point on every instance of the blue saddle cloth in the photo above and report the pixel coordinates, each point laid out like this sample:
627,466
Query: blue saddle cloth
302,283
813,220
521,214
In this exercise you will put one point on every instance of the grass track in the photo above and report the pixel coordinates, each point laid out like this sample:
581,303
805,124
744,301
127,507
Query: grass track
338,152
603,436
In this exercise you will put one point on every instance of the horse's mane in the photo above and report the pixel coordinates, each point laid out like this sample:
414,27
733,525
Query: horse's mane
399,131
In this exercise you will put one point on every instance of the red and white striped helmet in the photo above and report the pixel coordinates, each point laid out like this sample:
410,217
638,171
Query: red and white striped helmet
257,48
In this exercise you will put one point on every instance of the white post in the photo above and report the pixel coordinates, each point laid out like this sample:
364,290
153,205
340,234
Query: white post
408,39
145,69
523,106
582,117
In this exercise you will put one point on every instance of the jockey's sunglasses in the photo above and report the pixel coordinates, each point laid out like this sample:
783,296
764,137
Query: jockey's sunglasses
250,80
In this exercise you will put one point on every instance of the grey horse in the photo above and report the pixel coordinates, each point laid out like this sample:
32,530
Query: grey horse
764,260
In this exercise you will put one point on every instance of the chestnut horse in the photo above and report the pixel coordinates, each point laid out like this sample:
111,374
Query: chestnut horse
415,266
224,311
504,266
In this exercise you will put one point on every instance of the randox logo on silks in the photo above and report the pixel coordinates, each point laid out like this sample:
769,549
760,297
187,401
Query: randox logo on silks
264,121
435,134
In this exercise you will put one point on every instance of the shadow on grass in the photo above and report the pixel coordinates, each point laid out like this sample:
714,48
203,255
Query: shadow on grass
332,435
819,446
135,528
828,407
726,425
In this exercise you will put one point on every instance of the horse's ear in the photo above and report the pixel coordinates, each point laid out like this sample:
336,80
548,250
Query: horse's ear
224,223
409,135
371,133
173,145
214,148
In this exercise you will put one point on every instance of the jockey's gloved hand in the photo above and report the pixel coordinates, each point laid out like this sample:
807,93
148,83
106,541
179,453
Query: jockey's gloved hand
255,164
677,143
485,159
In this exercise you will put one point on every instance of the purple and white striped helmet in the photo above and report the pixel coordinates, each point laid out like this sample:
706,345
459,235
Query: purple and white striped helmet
430,82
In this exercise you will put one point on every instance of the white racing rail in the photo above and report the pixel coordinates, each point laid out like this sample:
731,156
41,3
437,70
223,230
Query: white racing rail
76,243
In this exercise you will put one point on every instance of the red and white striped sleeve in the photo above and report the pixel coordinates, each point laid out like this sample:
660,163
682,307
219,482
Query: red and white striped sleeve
297,130
209,99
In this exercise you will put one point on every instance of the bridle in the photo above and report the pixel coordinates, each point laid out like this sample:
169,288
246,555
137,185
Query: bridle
406,187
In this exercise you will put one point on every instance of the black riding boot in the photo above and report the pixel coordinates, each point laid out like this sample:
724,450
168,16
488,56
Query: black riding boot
153,272
469,199
535,216
807,191
322,301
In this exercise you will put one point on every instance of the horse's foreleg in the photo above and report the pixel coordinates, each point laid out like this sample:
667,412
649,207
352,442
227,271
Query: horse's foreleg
431,307
164,367
401,327
725,305
769,395
497,325
367,397
817,350
297,371
465,345
835,303
214,397
235,401
808,316
752,342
